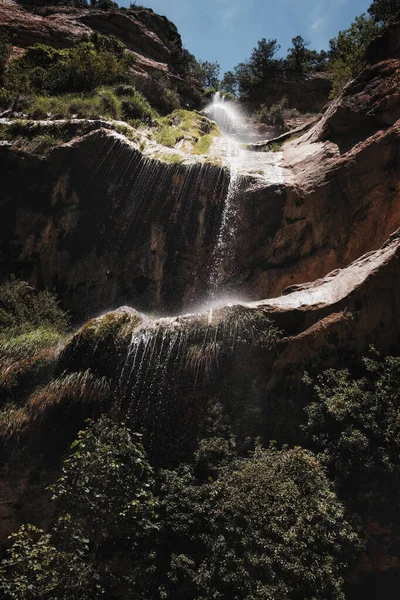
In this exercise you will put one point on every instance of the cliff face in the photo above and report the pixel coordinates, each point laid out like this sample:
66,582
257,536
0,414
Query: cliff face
146,231
104,225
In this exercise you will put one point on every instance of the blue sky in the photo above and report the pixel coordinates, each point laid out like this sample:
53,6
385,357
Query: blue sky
226,31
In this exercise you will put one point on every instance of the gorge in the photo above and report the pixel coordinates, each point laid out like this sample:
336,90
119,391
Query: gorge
198,281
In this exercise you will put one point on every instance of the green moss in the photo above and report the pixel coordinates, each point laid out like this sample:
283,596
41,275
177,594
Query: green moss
167,135
203,145
188,125
171,158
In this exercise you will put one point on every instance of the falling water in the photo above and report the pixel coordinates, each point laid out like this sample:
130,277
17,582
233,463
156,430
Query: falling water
242,163
165,355
235,130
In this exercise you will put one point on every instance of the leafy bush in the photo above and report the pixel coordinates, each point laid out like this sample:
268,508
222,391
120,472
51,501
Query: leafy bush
103,496
354,424
347,51
273,115
35,568
94,61
22,309
29,322
269,526
136,106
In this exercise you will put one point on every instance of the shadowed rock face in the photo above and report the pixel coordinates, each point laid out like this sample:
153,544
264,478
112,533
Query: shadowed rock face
104,225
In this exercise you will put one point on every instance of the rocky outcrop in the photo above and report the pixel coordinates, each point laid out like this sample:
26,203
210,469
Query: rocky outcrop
130,31
150,36
372,100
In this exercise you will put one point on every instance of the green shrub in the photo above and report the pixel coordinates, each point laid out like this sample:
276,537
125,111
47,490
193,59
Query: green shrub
109,104
5,98
354,424
273,115
28,344
95,61
35,568
136,107
157,89
269,526
124,89
22,308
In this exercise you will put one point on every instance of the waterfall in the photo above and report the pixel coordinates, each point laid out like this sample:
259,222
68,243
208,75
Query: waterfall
243,164
236,131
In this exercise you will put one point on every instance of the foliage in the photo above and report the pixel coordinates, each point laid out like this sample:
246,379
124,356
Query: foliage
253,74
297,54
229,83
94,61
80,386
106,484
29,322
273,115
4,56
28,343
103,497
22,309
347,51
211,71
354,424
268,526
383,11
35,568
103,102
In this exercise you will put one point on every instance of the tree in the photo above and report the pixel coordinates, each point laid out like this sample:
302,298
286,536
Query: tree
383,11
347,51
298,53
211,71
104,500
252,75
106,484
229,83
269,526
263,58
354,426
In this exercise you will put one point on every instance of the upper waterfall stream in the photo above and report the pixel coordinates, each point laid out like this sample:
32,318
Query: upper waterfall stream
243,164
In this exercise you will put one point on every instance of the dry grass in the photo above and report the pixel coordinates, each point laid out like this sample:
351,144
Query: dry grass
13,420
81,387
72,387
